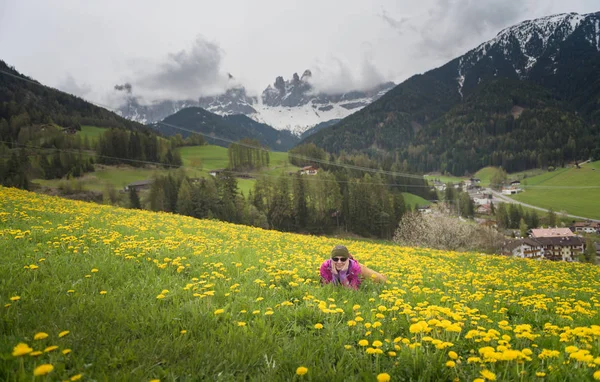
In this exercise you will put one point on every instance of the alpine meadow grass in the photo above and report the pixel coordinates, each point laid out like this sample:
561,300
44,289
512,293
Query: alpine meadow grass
94,292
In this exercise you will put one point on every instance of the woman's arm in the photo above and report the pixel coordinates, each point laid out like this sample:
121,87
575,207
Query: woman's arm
371,274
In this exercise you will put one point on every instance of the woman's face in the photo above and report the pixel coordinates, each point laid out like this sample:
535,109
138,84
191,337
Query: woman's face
339,262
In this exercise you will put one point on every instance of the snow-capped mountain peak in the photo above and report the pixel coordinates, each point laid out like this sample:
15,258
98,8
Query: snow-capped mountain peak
285,105
517,50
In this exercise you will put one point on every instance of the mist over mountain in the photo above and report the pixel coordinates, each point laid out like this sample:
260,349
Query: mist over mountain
293,104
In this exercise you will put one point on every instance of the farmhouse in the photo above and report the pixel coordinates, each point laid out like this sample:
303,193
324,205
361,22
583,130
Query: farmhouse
587,226
139,185
309,170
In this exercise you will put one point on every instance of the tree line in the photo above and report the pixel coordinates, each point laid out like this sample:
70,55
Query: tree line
247,154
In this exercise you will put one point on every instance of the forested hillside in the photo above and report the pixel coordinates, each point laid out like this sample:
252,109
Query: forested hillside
527,98
230,127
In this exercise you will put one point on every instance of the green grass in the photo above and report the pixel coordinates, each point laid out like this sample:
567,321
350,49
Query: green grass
445,178
188,300
485,175
207,157
582,202
412,200
93,133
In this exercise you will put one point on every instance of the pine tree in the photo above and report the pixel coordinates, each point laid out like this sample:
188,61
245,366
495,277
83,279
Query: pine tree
523,227
134,199
551,218
300,206
185,205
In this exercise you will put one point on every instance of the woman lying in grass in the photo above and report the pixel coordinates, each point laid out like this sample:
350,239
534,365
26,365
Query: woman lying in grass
343,269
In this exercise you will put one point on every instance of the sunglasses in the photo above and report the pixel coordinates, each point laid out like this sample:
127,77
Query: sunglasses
339,259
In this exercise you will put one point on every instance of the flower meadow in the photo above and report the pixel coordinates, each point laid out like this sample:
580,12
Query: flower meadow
93,292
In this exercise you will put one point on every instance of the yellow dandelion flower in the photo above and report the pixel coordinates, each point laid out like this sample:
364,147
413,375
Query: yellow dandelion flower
35,353
597,375
351,323
43,369
377,344
94,270
21,349
488,375
183,331
383,377
160,296
356,307
347,347
363,343
301,370
450,364
63,333
268,313
15,298
452,355
66,351
256,312
50,348
40,336
241,323
71,291
392,353
76,377
319,326
219,311
155,380
540,374
103,292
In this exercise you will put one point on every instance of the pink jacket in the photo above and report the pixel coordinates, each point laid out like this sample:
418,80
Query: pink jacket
354,272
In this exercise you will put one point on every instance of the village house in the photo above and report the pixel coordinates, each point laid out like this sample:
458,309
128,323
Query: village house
439,185
566,248
309,170
216,172
484,209
551,232
512,190
139,185
587,226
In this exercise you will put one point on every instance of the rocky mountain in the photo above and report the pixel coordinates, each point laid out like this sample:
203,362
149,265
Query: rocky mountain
536,83
230,127
286,105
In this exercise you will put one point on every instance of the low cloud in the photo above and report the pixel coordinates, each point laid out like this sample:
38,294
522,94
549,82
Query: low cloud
337,76
126,87
188,74
71,86
452,27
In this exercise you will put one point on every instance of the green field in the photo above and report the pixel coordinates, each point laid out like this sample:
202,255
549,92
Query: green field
109,294
414,200
444,178
577,201
93,133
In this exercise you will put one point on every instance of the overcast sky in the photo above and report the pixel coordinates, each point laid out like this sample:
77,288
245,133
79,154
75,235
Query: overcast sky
184,49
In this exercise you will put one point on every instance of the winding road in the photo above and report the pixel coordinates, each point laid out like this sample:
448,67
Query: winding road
506,199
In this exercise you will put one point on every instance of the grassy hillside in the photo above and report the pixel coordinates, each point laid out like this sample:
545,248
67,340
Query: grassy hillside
583,201
113,294
93,133
414,200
